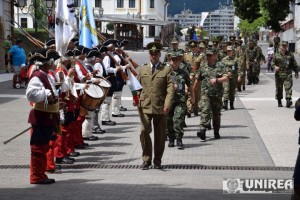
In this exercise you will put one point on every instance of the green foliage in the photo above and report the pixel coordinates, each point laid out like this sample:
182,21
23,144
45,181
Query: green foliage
247,9
178,30
273,11
110,26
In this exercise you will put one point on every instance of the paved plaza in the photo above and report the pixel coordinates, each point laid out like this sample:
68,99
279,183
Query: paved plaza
258,140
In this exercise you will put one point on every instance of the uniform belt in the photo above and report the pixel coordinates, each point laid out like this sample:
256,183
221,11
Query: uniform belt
51,108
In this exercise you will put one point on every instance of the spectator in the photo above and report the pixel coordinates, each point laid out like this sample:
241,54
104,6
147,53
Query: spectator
18,57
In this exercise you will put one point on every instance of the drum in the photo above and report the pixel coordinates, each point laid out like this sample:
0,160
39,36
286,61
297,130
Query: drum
92,98
105,85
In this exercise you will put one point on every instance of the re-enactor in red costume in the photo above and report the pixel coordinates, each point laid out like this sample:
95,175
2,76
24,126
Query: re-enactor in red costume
44,116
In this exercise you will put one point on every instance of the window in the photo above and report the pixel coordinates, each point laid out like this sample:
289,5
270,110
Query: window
131,3
24,22
120,3
151,3
151,31
98,3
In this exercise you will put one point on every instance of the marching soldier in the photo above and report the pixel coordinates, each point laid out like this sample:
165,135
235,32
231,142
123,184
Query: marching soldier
175,118
252,60
284,64
174,47
212,75
155,102
240,54
261,59
235,74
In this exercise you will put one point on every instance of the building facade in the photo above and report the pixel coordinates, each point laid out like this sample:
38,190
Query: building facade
186,19
5,28
220,21
133,9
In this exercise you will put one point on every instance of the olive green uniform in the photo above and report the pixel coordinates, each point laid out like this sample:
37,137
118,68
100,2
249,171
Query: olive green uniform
157,93
283,77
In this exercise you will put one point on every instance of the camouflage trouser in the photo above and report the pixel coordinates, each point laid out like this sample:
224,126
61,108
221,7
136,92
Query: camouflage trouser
287,82
226,90
232,84
175,120
252,72
211,105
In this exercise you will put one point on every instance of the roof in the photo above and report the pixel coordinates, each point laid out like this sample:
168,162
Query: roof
134,21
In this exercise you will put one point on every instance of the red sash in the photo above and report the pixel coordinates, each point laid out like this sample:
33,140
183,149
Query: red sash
82,69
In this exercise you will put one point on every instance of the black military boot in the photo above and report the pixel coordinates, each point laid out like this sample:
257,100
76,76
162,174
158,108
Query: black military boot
231,105
188,114
244,88
179,143
225,104
171,143
289,103
202,134
279,103
217,135
196,112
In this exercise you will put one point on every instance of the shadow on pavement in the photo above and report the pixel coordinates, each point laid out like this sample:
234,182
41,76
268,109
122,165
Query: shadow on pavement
87,189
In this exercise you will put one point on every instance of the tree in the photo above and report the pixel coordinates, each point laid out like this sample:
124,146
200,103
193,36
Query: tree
275,10
247,9
178,29
110,26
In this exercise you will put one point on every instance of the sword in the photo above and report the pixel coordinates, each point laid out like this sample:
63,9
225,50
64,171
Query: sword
9,140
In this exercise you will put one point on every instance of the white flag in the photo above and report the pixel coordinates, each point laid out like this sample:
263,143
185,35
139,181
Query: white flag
132,82
65,24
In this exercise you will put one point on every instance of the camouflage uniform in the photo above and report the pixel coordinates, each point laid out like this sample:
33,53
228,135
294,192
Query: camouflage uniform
252,60
240,55
211,95
283,77
235,70
175,118
261,58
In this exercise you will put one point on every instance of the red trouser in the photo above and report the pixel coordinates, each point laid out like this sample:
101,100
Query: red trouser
50,155
77,130
65,144
69,138
38,162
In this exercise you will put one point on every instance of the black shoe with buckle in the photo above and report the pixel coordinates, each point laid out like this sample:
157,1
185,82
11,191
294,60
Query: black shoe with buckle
43,182
51,180
145,165
74,154
98,131
118,115
123,109
79,146
92,138
202,134
179,143
109,123
63,161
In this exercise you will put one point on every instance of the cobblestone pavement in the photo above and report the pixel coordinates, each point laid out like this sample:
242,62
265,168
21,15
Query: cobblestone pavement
256,133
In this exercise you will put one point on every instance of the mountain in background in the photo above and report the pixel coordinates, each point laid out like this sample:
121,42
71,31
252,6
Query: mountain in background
197,6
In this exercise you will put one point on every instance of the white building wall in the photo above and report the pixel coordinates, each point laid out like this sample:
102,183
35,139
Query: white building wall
297,27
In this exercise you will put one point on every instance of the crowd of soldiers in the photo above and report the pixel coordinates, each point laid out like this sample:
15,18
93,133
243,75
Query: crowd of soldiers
216,70
202,78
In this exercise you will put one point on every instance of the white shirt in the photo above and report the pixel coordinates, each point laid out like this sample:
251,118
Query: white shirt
270,50
98,67
108,68
36,91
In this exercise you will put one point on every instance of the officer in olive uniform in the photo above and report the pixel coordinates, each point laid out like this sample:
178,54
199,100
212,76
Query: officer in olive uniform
156,100
175,118
235,73
252,60
284,64
211,76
